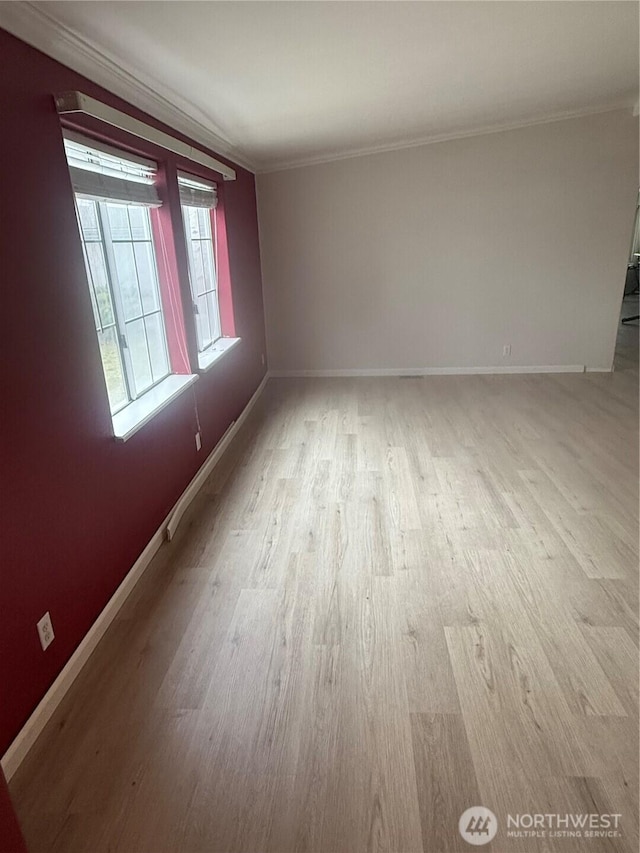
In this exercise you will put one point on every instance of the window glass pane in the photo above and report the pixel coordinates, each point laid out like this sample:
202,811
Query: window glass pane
140,223
202,323
127,280
204,222
118,221
97,265
123,283
112,365
207,263
92,293
192,226
212,310
137,341
146,267
157,348
199,280
88,219
202,273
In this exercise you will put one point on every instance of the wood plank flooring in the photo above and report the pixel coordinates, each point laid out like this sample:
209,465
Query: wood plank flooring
394,599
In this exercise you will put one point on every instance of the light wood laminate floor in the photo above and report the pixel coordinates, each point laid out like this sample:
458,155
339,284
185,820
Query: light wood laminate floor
394,599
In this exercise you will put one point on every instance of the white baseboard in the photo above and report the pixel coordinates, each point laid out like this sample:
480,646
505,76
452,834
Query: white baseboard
598,370
433,371
28,734
210,463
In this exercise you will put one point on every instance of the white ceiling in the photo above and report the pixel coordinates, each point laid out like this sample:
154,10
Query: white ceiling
283,83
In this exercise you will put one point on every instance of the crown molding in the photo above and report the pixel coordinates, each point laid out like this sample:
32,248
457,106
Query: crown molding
31,22
482,130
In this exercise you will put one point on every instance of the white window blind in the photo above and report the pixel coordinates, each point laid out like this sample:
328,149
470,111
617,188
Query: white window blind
195,192
102,173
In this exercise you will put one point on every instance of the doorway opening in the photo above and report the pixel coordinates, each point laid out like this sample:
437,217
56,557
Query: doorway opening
626,354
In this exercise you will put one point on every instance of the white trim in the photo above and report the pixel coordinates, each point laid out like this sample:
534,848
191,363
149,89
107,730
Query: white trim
432,139
214,353
28,734
78,102
133,417
432,371
598,370
33,23
211,461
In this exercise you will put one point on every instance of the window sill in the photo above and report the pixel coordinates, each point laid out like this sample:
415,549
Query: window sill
215,352
127,422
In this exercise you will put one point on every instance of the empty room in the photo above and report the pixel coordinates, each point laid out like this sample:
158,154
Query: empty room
319,427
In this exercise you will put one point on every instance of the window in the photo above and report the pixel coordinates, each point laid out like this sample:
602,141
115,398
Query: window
198,199
123,281
114,195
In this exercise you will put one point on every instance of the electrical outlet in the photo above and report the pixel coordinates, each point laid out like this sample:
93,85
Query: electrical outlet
45,631
198,441
506,350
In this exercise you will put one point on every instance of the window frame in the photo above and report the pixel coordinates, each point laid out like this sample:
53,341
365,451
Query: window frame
106,242
191,263
171,249
101,327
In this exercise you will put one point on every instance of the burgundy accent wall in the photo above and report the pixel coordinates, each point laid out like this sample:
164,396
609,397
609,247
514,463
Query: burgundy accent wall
78,508
11,840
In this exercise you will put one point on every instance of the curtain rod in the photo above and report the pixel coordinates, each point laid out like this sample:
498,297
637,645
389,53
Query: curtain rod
77,102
